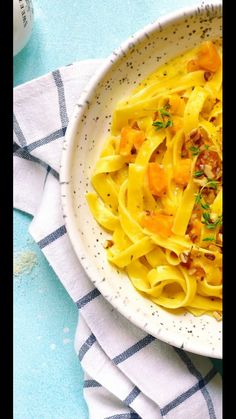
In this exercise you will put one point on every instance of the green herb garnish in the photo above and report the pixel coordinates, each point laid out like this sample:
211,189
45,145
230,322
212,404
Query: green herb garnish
164,111
212,184
209,239
195,150
169,123
206,217
164,123
159,124
209,223
198,173
199,200
204,205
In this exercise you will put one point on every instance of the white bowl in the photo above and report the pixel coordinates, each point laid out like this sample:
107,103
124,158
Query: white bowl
85,135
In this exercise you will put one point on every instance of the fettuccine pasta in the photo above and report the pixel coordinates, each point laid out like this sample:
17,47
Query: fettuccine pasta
158,184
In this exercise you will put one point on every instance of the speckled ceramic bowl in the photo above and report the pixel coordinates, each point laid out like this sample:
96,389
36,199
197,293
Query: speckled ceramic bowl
87,130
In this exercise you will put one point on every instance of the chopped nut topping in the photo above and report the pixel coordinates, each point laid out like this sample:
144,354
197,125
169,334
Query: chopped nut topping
195,134
184,256
220,238
213,119
214,217
209,158
209,195
207,75
107,244
218,316
208,171
134,125
192,271
200,273
209,256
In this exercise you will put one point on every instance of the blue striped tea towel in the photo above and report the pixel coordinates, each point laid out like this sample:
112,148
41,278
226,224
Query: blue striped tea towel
128,374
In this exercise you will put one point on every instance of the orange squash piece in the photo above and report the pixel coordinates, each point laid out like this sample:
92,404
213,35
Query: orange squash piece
207,58
193,65
157,179
130,137
182,172
195,231
160,224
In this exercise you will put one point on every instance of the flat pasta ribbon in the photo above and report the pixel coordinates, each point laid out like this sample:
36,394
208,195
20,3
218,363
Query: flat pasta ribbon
158,184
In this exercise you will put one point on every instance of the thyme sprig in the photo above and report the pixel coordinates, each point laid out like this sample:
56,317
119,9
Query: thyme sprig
200,201
195,150
166,118
209,239
198,173
209,223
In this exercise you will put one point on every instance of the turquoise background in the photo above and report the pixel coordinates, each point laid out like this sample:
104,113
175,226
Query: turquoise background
48,379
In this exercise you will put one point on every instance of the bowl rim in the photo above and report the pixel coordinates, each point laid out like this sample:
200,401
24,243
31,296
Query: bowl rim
71,132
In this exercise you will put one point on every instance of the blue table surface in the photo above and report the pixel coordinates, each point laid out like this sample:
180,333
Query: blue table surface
48,378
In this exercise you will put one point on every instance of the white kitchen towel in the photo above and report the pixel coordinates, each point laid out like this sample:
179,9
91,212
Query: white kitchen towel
128,373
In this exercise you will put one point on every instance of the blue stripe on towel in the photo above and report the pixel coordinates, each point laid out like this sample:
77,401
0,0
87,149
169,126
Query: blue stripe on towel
184,396
133,349
87,298
18,132
86,346
22,153
192,369
48,139
132,396
131,415
15,147
52,237
61,97
91,383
